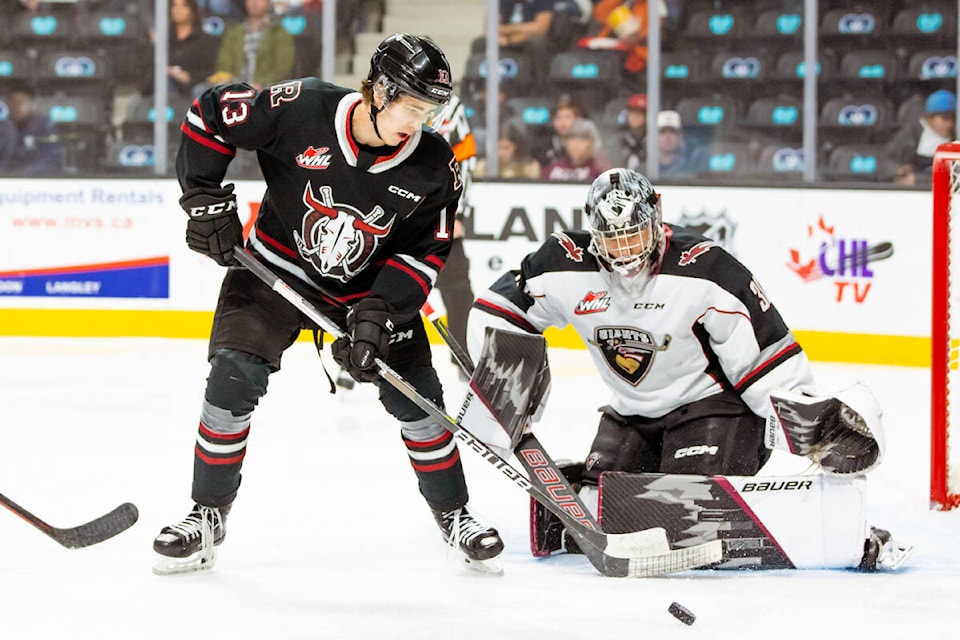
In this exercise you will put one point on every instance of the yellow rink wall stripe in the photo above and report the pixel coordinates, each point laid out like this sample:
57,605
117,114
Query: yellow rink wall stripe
823,346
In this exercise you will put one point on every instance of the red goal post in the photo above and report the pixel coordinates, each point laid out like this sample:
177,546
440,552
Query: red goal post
945,331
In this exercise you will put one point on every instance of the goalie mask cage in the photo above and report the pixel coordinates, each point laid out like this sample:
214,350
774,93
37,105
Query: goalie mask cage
945,331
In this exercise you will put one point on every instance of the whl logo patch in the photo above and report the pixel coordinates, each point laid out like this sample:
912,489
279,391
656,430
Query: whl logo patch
593,302
628,351
314,158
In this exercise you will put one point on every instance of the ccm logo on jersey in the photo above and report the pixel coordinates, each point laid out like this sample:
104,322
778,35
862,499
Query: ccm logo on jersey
403,193
593,302
690,256
697,450
314,158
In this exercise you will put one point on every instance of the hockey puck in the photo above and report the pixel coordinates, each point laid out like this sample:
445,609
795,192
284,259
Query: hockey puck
681,613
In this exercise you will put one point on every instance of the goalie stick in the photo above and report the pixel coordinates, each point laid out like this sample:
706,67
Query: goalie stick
543,472
656,559
635,555
97,530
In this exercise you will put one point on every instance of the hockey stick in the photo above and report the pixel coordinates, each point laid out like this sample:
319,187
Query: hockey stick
98,530
538,464
617,555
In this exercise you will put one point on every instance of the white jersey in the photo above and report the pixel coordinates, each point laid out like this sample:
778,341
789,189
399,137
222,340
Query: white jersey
701,325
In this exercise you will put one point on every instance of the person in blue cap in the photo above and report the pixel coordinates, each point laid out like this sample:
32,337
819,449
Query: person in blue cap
912,148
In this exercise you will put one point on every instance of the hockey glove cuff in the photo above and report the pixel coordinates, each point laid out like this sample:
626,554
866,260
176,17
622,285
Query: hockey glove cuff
214,227
369,327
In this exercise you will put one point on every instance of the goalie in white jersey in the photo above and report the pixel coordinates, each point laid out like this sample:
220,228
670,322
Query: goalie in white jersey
686,340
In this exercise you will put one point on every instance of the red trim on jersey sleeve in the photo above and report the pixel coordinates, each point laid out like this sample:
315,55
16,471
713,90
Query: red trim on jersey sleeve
506,314
436,261
207,142
768,364
413,274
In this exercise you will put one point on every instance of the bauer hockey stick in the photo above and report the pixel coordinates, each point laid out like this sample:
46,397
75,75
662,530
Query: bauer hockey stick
637,554
97,530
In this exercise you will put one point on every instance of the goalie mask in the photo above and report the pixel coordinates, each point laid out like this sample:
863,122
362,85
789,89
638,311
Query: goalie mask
624,221
414,66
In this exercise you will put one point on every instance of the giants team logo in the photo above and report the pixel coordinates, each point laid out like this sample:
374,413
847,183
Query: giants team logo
336,238
593,302
314,158
628,351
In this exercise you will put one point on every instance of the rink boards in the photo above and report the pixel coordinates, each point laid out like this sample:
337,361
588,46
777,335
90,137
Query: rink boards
849,270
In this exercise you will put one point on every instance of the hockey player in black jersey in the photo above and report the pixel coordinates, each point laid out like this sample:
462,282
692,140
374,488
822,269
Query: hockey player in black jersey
358,216
688,343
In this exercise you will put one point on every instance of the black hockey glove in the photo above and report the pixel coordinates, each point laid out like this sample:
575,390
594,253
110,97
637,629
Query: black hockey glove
368,337
214,227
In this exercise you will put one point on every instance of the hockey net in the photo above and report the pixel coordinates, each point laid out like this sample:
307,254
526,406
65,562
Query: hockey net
945,330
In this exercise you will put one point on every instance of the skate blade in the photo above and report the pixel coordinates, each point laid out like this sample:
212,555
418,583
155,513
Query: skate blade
492,566
166,566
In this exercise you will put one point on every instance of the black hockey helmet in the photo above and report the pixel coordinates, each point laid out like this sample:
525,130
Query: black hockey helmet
413,65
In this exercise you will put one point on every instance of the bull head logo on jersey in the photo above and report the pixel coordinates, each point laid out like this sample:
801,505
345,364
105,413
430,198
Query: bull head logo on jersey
628,351
336,238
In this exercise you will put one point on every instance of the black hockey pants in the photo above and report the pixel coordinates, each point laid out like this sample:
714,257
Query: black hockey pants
716,435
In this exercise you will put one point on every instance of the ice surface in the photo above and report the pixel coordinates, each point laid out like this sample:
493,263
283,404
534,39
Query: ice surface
330,539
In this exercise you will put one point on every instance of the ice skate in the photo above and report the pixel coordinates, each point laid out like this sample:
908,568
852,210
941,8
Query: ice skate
882,552
190,545
479,544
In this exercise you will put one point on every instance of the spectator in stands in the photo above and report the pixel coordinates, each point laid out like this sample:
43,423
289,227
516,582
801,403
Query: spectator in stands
513,154
583,160
8,139
673,155
561,119
912,148
524,27
38,151
633,134
259,51
626,21
192,54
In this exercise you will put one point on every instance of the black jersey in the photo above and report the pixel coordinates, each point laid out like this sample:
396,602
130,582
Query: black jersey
347,220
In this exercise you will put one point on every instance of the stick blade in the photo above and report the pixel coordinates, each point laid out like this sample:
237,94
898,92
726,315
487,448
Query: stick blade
677,560
99,529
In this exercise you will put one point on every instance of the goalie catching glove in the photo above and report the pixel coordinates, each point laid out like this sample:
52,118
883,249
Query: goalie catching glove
842,433
214,227
369,327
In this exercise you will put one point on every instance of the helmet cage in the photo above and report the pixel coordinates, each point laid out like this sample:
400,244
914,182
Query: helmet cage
624,223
